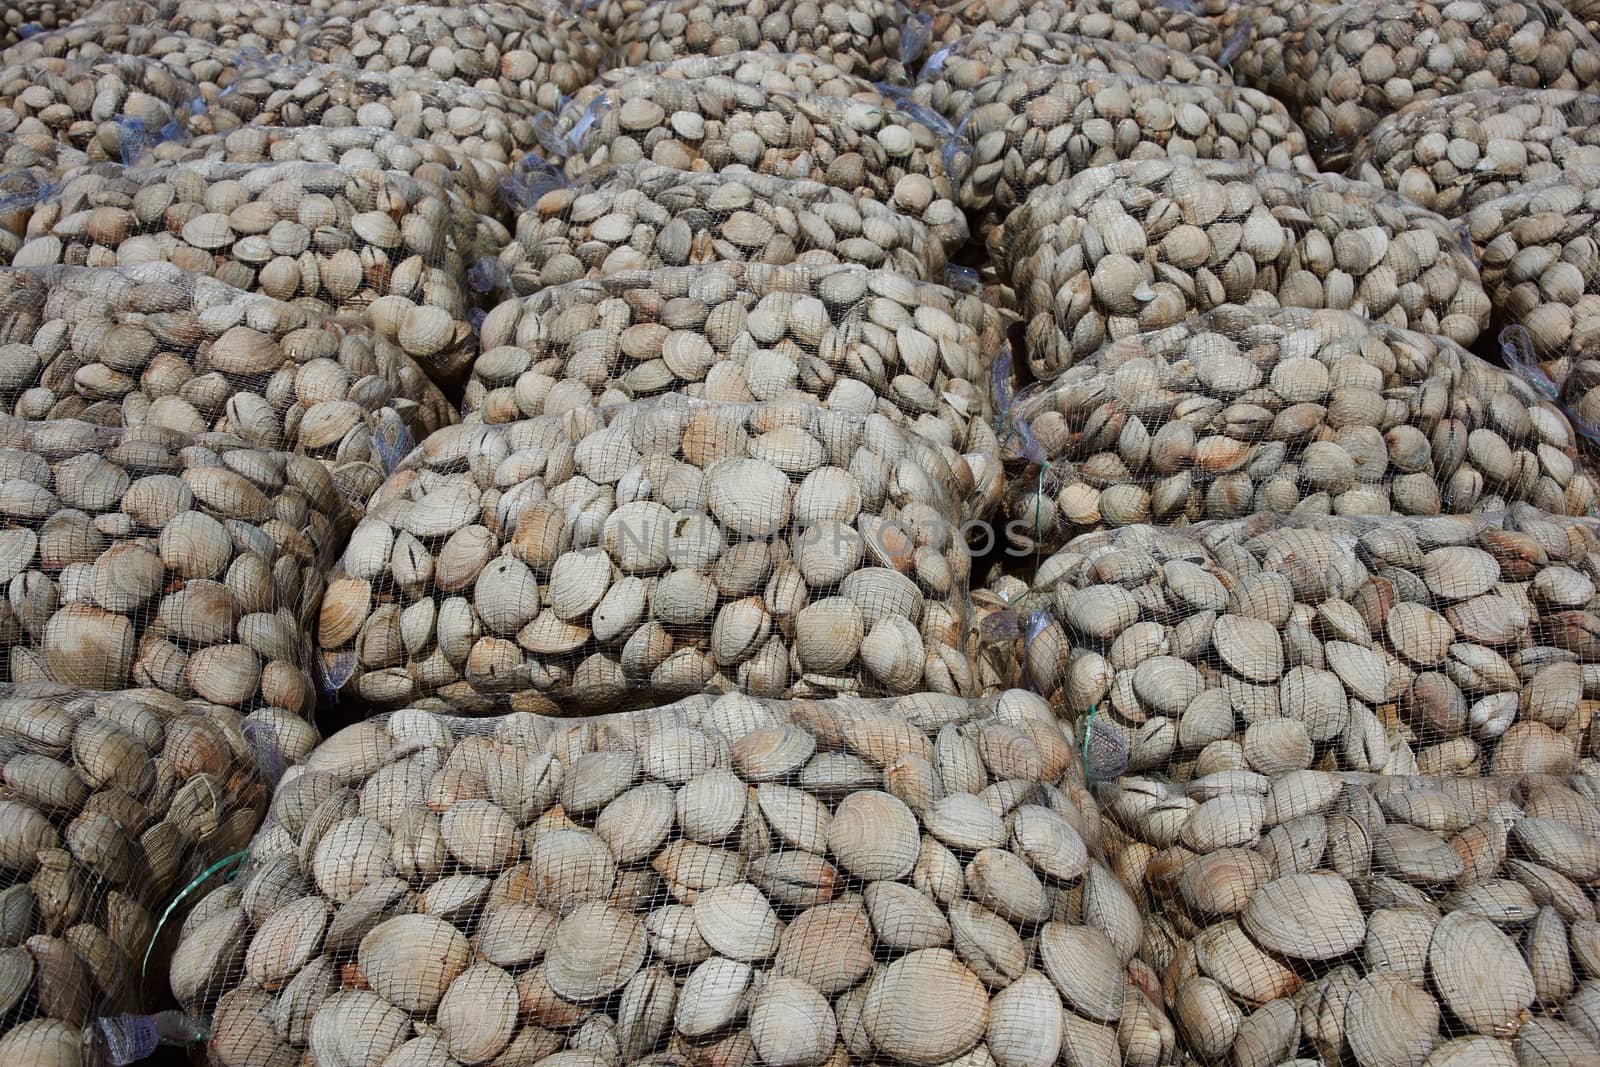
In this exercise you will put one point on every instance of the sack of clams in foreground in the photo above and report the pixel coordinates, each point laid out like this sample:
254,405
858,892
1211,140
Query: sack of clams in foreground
1042,126
1444,645
467,121
855,340
1365,919
111,803
1344,69
1143,244
1455,153
654,550
641,216
1183,27
872,39
153,346
947,80
1540,260
379,246
1248,410
872,145
192,564
741,881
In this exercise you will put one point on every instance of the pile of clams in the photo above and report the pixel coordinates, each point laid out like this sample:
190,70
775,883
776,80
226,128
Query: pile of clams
1448,645
732,880
109,804
662,548
1259,410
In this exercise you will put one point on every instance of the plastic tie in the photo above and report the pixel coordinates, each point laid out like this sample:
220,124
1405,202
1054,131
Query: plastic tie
236,860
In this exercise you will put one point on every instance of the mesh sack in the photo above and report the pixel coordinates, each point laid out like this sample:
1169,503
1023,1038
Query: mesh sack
112,802
1346,68
776,72
472,122
409,896
1456,152
389,249
475,179
641,216
23,18
1398,645
1383,919
1141,245
154,346
1245,410
852,339
654,549
103,107
946,82
538,51
1181,26
250,31
1042,126
1539,260
880,146
196,524
30,165
873,39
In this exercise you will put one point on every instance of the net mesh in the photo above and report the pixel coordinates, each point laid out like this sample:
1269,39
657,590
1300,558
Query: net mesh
876,145
1314,412
187,563
874,39
1383,917
779,72
381,246
855,340
1343,69
102,107
538,51
469,121
1141,245
1534,246
654,550
812,880
1457,152
641,216
112,802
476,180
1044,125
251,30
947,80
1394,645
1184,27
153,346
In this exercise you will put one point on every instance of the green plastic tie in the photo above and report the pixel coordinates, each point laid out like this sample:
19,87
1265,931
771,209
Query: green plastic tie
236,859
